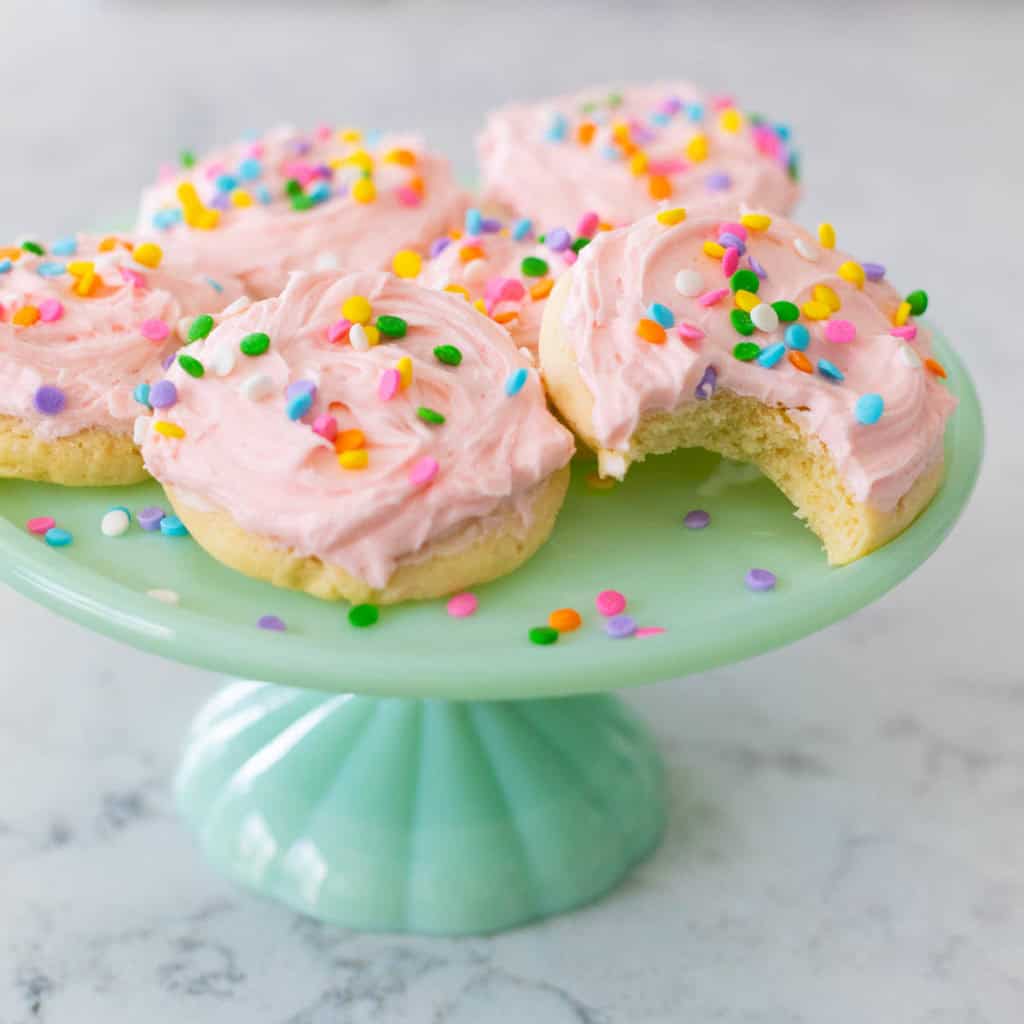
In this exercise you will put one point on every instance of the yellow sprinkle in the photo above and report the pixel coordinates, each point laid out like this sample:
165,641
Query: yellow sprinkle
188,196
241,197
479,305
827,235
204,219
756,221
350,135
76,268
359,158
404,368
357,458
746,300
404,157
372,334
357,308
902,314
730,120
816,310
168,429
714,250
364,191
149,254
407,263
674,216
638,162
458,290
822,293
86,284
26,316
697,148
852,272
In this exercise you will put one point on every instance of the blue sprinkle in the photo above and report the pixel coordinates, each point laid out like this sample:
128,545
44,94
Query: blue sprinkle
64,247
772,354
372,137
783,131
474,221
659,117
319,192
515,381
172,526
695,112
215,285
609,152
299,404
5,266
662,314
57,538
798,337
227,183
250,169
263,195
557,128
869,409
164,219
141,394
830,370
51,269
522,228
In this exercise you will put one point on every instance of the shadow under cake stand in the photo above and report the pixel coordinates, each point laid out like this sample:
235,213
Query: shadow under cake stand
444,775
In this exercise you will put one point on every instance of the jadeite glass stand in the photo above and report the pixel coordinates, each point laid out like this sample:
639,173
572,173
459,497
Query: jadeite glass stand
440,775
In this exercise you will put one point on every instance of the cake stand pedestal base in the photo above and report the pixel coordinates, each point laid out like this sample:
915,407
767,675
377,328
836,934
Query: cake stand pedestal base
426,816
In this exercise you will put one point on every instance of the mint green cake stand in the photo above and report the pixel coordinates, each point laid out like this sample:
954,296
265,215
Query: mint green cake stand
445,775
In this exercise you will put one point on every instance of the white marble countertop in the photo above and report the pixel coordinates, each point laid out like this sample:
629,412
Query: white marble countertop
847,814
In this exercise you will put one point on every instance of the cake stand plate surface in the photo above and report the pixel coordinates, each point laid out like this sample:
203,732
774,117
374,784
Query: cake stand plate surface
471,803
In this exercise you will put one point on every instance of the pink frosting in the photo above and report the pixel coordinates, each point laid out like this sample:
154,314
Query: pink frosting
281,479
265,241
526,166
623,272
94,349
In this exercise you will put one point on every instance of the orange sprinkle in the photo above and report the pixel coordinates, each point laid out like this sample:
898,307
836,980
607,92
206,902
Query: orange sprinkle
650,331
620,132
565,620
86,284
405,157
108,243
585,133
800,361
542,289
26,316
470,252
10,253
659,187
349,440
936,367
416,184
507,317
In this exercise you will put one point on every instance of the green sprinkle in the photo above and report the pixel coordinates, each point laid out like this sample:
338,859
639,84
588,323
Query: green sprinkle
543,635
191,366
918,302
788,311
741,321
793,167
255,344
363,615
580,244
188,159
745,280
200,327
588,108
40,251
746,350
540,239
614,99
429,415
392,326
292,188
448,354
303,202
534,266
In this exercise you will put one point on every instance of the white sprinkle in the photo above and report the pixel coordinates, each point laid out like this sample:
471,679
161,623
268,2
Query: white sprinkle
474,271
689,283
184,323
240,305
222,361
257,387
358,339
140,429
167,596
805,249
910,357
115,523
611,463
325,261
764,316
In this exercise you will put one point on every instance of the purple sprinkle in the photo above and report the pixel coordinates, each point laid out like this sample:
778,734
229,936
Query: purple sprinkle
150,518
760,580
671,106
873,271
299,388
696,519
438,246
163,394
301,147
719,181
756,267
706,388
619,626
271,622
167,361
50,401
731,241
490,225
323,171
221,201
558,239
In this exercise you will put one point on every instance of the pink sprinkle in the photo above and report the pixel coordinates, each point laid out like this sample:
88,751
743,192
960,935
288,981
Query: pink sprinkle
326,426
569,257
730,261
255,150
610,602
154,330
908,332
167,172
423,470
462,605
133,277
588,224
721,101
712,297
689,332
338,330
390,382
40,524
3,312
666,166
323,132
408,196
731,227
766,141
50,310
649,631
215,170
840,331
504,289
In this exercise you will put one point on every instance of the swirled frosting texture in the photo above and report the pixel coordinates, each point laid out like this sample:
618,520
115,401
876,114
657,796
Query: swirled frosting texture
92,348
623,152
623,272
280,479
293,201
